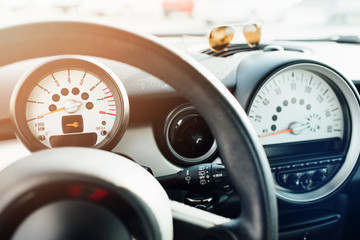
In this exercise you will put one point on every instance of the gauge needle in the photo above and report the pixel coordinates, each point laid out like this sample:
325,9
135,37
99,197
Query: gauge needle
276,133
71,106
294,127
57,110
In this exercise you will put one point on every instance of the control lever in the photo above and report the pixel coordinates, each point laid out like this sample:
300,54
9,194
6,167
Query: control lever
207,176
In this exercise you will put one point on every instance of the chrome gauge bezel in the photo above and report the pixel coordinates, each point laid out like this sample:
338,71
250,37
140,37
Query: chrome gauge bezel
347,94
27,82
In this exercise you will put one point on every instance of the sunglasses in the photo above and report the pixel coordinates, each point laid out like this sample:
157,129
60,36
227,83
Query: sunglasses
221,37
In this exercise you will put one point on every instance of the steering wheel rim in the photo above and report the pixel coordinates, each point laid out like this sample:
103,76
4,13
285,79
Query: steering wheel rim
238,144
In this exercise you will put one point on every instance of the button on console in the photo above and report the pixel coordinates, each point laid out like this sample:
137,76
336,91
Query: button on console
327,161
311,163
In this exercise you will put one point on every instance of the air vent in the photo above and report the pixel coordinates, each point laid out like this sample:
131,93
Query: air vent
238,48
188,137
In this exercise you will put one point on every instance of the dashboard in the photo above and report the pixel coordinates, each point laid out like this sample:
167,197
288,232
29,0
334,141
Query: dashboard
301,99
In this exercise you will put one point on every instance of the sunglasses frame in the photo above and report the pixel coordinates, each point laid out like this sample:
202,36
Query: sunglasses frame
220,44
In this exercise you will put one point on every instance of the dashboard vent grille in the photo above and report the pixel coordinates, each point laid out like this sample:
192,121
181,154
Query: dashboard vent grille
188,137
238,48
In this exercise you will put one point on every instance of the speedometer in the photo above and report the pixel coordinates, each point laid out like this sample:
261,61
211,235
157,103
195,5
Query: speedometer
296,105
304,114
70,101
300,113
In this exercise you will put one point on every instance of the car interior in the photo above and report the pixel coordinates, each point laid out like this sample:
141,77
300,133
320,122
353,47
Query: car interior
107,132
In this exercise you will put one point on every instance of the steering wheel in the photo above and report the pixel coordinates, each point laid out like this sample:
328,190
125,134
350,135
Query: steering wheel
33,177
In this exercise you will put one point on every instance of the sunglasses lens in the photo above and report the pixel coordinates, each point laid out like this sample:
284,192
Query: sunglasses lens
221,37
252,33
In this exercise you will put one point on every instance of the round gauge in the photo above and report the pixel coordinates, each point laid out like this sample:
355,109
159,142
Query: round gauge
296,105
303,115
70,101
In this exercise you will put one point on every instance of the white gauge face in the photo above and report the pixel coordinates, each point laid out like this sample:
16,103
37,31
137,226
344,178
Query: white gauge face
68,106
296,105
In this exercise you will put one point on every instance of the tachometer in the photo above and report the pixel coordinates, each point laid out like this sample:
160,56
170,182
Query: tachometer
70,101
296,105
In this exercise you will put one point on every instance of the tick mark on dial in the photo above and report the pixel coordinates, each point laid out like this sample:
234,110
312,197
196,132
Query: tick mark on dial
82,80
32,119
30,101
56,81
69,79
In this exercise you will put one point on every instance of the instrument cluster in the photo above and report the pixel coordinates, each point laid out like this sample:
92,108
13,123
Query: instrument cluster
302,110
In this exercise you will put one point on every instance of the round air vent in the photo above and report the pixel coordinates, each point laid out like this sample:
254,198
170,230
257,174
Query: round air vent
188,137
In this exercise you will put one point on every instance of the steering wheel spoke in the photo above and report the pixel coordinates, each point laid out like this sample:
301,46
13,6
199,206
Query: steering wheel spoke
193,223
207,224
195,216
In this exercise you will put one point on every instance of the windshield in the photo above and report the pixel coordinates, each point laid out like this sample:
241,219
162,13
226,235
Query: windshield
280,19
